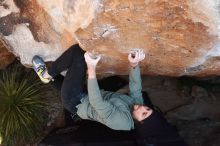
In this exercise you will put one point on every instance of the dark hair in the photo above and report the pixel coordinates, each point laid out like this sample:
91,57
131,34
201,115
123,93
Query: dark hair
147,100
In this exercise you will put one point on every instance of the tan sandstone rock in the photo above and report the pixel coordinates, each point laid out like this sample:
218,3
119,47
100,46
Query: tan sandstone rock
27,28
180,37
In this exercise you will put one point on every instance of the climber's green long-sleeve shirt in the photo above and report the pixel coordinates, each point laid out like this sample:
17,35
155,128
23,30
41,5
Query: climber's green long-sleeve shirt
111,108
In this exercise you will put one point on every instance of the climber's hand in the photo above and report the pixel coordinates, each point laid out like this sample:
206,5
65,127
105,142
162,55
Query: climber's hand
135,56
91,61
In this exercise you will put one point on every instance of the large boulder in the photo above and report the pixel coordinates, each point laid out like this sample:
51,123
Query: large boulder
180,37
29,30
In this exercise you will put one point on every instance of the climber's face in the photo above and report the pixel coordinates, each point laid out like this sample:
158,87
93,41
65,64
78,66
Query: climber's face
141,112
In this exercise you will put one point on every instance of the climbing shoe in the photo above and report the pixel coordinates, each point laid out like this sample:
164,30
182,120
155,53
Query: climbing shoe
39,67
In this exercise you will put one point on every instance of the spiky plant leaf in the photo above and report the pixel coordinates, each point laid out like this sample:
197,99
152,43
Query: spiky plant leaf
22,109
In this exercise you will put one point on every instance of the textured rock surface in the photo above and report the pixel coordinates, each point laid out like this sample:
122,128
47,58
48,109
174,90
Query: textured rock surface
29,30
199,132
180,37
5,57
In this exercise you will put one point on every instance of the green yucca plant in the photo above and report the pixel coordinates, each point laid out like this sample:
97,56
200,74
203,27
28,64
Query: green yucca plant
22,110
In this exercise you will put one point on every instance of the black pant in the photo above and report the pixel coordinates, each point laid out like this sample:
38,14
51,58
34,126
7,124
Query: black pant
73,86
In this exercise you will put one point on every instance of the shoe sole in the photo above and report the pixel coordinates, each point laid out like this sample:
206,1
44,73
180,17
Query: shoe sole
39,70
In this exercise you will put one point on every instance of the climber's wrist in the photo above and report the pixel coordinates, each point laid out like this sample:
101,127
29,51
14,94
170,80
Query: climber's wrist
134,64
91,72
